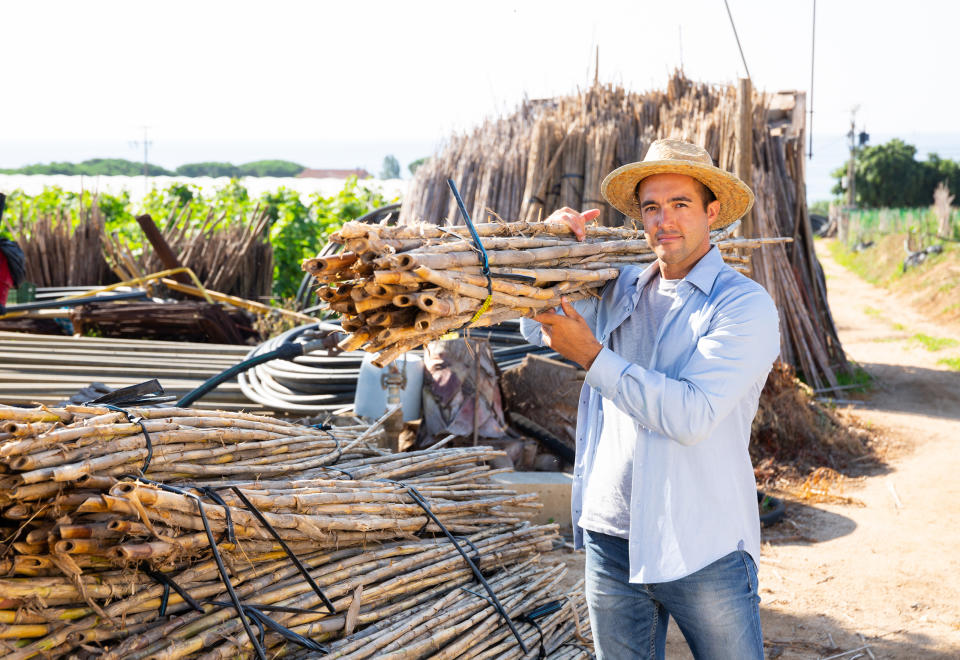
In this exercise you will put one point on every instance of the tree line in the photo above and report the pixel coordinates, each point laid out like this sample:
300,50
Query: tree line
123,167
890,176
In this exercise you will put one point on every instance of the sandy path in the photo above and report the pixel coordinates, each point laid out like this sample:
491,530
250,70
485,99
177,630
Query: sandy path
889,570
834,578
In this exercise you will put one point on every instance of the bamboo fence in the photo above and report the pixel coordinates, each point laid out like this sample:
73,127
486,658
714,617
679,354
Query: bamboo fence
397,288
555,152
92,544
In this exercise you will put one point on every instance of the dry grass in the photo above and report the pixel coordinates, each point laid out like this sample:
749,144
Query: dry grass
793,436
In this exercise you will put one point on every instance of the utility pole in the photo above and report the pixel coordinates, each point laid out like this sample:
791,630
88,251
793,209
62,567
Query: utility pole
146,146
744,153
813,43
596,67
851,167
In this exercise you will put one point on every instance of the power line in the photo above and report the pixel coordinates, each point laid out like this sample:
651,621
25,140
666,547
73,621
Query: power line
813,42
735,36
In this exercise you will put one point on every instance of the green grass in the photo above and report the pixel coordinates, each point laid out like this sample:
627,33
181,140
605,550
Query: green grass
950,308
852,261
860,378
872,311
952,363
899,326
934,344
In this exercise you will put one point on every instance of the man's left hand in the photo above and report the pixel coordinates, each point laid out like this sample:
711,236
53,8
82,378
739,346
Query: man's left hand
569,335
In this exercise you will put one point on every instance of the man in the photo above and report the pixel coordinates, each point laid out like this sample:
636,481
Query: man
664,498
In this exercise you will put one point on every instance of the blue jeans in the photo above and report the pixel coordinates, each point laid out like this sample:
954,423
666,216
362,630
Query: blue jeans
717,608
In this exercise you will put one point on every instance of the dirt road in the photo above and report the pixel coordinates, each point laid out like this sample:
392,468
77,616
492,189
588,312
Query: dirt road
888,570
884,573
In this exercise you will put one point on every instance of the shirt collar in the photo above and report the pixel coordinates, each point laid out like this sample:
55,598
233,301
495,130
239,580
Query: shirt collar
705,272
702,275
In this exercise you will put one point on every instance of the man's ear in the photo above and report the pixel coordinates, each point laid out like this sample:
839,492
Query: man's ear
713,210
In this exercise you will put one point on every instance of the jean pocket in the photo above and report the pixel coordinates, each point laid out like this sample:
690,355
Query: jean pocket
750,567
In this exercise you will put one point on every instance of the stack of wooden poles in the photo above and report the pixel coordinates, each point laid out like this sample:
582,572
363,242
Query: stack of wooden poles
232,256
60,250
397,288
555,152
141,533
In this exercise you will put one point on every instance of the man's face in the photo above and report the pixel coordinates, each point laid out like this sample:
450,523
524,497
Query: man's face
674,220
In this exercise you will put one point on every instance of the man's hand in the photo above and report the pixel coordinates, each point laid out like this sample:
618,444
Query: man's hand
573,219
569,335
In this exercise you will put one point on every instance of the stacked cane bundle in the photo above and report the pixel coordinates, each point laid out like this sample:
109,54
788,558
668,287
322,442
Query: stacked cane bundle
106,563
557,152
397,288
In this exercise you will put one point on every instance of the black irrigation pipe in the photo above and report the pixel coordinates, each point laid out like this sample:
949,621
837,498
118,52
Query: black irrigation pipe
73,302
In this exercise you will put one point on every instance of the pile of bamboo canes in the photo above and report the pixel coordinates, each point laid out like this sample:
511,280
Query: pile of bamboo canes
91,544
57,251
235,258
397,288
188,320
555,152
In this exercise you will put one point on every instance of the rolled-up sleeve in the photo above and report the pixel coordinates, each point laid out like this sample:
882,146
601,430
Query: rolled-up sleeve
737,350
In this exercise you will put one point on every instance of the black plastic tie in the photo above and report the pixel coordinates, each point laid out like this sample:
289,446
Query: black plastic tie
168,584
293,557
228,517
135,419
422,503
532,616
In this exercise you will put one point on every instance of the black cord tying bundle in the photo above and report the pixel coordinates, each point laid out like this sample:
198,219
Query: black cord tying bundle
135,419
494,601
293,557
532,616
245,612
478,244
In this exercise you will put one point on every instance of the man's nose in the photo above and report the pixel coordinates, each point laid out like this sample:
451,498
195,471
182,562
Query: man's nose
667,218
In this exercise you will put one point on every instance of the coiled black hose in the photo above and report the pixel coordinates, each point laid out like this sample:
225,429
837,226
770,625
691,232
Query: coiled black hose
317,382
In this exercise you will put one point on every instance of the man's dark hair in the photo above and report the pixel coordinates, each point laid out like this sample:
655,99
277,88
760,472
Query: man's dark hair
706,194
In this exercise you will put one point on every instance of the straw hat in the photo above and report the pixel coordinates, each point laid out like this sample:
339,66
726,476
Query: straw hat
677,157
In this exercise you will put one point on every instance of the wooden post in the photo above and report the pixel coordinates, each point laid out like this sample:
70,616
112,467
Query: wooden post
745,148
160,246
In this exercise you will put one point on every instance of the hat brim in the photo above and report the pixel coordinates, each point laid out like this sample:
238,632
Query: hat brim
735,197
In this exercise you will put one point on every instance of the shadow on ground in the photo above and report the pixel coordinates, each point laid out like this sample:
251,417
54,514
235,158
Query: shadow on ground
804,524
914,390
790,637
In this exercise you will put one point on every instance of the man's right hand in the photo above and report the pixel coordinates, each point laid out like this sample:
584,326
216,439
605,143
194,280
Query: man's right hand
575,220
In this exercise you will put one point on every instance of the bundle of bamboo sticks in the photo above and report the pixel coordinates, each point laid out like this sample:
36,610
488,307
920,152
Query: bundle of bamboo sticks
397,288
233,257
92,545
57,250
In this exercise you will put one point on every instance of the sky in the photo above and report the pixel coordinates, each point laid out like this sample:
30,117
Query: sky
336,84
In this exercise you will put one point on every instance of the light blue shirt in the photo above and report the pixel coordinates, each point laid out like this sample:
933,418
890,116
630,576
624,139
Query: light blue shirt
693,496
607,487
